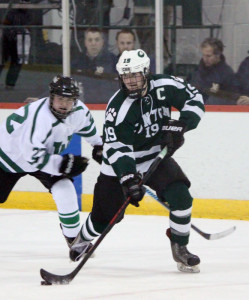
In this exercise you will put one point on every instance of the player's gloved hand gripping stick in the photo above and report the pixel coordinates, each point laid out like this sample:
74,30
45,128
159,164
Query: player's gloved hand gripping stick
66,279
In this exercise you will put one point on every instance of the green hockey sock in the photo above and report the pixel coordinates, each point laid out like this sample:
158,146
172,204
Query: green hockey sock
180,202
91,230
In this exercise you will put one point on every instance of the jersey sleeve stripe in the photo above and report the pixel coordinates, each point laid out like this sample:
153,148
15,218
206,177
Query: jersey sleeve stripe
195,109
9,162
35,117
152,150
2,166
196,97
195,103
89,134
117,155
116,145
78,108
168,81
87,128
48,135
112,151
144,166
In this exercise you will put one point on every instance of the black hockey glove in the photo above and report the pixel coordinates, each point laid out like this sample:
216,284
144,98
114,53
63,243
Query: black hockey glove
131,188
73,165
97,153
173,136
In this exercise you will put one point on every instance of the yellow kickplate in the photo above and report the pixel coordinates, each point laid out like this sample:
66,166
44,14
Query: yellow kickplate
202,208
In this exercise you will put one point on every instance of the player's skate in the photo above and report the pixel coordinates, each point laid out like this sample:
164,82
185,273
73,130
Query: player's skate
79,248
75,254
186,261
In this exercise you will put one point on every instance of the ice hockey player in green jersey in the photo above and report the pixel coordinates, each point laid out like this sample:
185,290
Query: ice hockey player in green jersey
31,140
137,125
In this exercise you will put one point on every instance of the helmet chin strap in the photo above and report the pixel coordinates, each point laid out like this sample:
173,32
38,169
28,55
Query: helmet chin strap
145,88
138,93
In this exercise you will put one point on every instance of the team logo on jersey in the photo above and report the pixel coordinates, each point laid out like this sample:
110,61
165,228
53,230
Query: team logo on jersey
110,115
140,53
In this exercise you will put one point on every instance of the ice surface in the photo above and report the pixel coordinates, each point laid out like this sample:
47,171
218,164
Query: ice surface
133,261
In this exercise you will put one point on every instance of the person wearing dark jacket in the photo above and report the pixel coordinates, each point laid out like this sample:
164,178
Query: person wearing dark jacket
96,59
214,78
242,80
125,40
13,17
95,68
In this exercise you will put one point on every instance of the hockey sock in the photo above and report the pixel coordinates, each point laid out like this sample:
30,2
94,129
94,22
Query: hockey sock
65,197
90,230
180,201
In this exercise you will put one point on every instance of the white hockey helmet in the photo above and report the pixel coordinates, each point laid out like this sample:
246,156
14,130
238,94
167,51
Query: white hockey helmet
133,61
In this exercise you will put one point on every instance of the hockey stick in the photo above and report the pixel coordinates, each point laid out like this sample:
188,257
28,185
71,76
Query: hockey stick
66,279
207,236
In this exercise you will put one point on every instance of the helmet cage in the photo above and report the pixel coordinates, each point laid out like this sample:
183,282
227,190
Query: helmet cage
134,93
134,61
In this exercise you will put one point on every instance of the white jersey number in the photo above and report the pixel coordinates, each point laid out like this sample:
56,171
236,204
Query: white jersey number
110,134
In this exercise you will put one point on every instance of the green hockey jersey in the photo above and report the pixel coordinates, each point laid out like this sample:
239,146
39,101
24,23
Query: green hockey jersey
133,127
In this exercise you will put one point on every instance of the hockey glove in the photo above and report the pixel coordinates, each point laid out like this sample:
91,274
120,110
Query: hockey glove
131,188
173,136
97,153
73,165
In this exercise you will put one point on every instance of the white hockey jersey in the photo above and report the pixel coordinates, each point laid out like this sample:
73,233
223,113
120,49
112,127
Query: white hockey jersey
32,138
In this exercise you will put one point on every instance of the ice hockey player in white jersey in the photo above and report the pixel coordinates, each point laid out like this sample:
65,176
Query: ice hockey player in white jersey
137,125
31,140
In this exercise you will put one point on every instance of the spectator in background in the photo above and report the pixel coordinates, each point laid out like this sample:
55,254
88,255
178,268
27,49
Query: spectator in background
242,80
125,40
94,69
89,13
10,43
214,78
96,59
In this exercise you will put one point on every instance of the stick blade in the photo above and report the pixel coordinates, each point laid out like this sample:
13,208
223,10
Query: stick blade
55,279
220,235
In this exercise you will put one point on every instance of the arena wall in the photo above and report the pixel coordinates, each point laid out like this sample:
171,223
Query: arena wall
214,156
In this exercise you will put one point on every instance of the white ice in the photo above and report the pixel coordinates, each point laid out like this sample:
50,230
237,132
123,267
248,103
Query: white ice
132,262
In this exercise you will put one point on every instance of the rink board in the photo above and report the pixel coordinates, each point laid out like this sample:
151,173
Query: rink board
202,208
